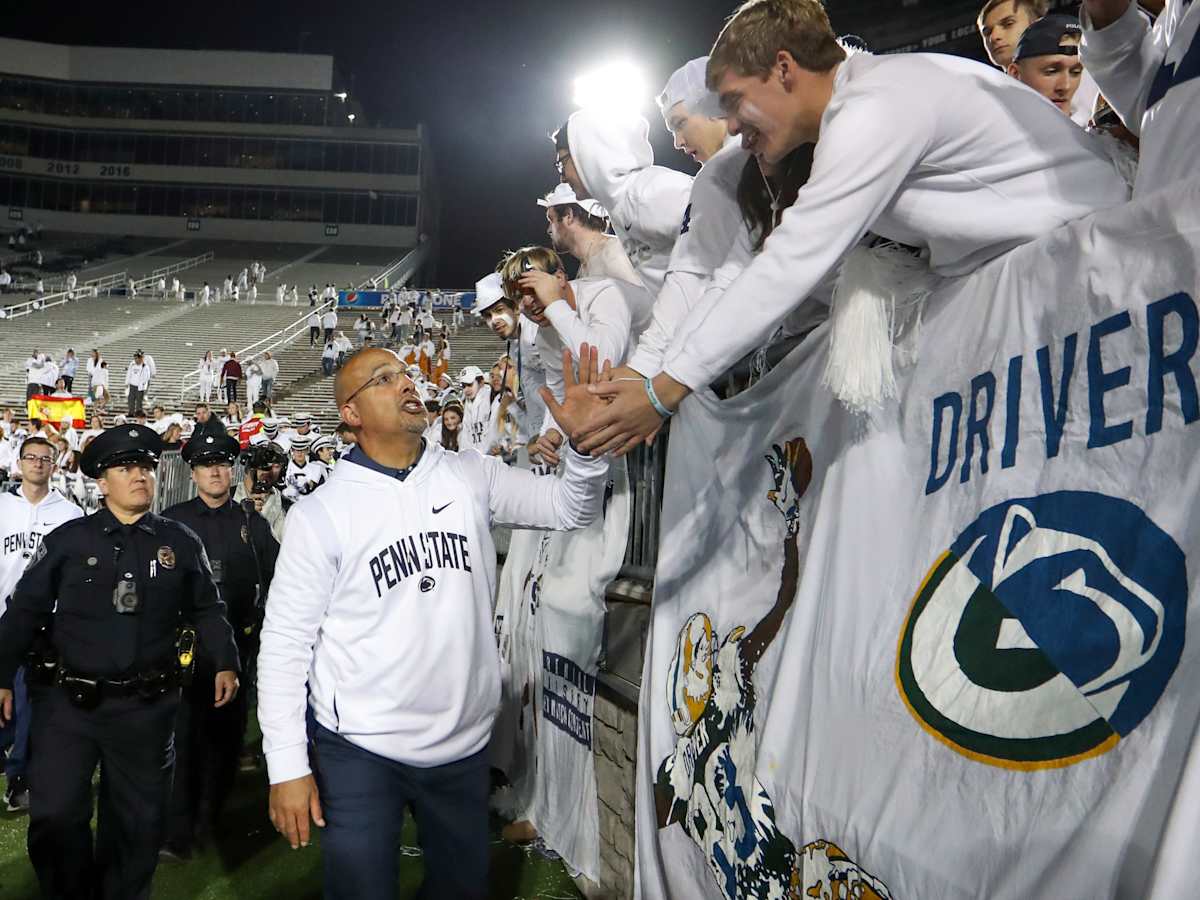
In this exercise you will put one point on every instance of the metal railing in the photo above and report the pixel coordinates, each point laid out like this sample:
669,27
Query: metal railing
281,338
93,287
647,470
181,266
409,263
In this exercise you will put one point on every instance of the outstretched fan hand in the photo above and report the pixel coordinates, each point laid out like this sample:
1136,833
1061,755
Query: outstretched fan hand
579,403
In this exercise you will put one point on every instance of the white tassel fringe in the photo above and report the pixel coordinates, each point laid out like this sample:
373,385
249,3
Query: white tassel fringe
877,299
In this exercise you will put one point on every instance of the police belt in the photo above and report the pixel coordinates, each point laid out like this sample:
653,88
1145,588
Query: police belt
86,690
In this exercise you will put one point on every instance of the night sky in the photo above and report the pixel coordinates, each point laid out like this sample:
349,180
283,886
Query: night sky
489,80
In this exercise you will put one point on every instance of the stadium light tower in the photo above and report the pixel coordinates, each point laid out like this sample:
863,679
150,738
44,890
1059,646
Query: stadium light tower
617,87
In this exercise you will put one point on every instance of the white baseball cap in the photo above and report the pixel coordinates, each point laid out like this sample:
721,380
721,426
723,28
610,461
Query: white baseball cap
489,291
470,374
687,85
564,195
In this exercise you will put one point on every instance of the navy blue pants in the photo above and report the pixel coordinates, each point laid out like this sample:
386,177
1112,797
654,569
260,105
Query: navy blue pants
363,797
14,736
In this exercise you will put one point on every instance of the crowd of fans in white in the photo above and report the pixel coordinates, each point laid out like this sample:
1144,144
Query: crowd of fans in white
671,307
807,155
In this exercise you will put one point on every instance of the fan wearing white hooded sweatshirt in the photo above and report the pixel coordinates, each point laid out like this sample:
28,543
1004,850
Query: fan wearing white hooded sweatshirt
1151,76
712,220
606,157
379,622
929,150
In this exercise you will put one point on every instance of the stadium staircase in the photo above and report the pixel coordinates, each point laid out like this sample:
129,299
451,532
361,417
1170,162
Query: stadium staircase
312,392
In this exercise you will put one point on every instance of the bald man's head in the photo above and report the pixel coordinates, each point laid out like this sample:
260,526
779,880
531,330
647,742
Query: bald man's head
376,397
360,368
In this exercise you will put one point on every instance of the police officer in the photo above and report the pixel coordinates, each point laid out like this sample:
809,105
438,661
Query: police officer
242,553
112,590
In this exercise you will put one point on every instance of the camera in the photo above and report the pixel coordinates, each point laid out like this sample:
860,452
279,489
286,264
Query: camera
263,456
125,597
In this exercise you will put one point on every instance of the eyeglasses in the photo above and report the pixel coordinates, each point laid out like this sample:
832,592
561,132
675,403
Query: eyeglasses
384,378
39,460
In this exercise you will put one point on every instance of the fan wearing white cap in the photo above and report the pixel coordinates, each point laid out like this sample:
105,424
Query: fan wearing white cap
320,464
502,316
295,476
477,408
580,228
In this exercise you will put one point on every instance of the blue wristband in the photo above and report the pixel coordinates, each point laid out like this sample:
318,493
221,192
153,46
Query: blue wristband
655,402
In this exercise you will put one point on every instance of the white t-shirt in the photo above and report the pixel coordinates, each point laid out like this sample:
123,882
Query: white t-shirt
930,150
1149,75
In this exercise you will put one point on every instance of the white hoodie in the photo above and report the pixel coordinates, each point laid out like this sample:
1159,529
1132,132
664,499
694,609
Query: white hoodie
646,202
380,612
1149,76
933,151
711,225
22,527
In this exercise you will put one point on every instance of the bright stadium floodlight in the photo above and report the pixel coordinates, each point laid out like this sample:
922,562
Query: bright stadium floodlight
341,95
616,87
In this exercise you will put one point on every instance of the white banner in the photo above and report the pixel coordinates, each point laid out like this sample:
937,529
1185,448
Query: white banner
942,654
549,624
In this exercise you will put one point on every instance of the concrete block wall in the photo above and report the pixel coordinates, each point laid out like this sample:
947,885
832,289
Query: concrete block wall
615,729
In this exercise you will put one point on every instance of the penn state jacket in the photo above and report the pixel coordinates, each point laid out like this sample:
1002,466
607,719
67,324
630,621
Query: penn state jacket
380,613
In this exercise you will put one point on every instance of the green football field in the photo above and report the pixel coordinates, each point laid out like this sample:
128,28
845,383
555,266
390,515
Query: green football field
249,861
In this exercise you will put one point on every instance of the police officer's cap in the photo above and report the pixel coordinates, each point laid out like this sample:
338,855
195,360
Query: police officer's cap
121,446
211,449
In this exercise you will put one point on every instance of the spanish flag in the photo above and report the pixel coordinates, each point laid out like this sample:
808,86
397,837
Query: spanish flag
56,409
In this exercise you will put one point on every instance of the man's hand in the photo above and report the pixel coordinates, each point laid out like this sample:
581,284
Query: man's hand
1104,12
290,806
546,447
579,403
629,418
545,288
6,706
226,687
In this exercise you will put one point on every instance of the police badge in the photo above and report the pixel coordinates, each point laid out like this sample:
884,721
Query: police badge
166,557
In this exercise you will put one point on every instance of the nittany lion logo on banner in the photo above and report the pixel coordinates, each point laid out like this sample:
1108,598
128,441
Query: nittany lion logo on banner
1047,632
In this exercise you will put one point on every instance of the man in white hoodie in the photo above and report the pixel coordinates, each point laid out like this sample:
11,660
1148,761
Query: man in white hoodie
606,157
712,221
379,625
905,146
1151,76
27,515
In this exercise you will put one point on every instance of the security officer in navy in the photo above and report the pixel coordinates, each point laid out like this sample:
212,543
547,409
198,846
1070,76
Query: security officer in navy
242,553
98,617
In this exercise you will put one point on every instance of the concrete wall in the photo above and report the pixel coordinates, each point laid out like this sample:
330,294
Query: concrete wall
614,725
192,176
221,229
128,65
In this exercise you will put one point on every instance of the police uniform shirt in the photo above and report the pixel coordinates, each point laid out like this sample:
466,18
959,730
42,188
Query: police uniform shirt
226,536
70,584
